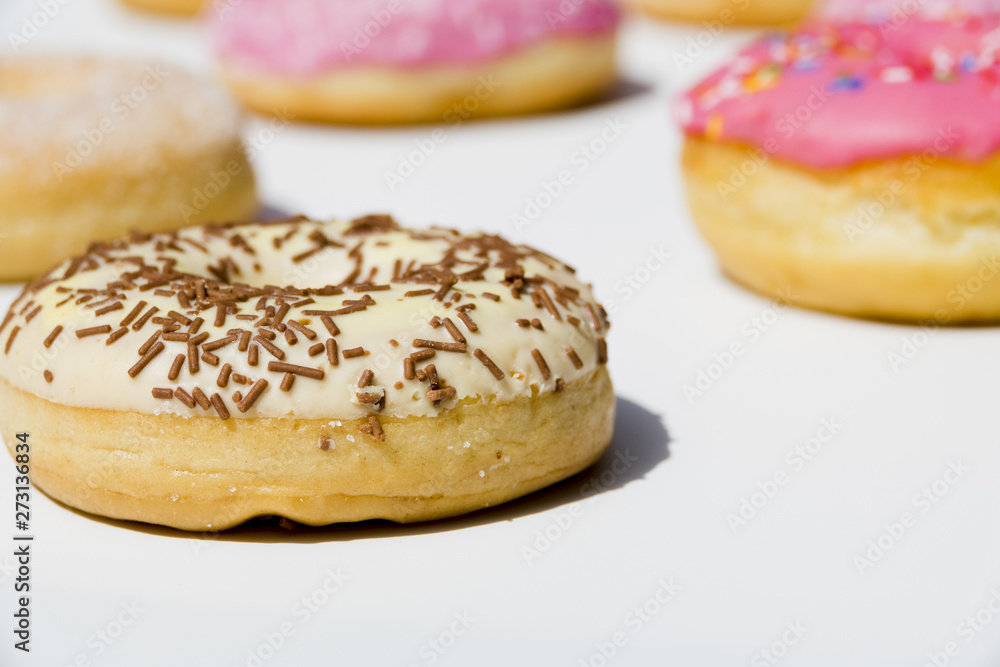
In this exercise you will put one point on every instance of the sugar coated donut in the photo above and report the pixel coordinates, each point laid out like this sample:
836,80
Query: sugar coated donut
855,167
177,7
391,61
407,374
726,12
92,149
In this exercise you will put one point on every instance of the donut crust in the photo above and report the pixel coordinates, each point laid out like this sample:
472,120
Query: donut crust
556,73
756,12
203,474
43,225
150,181
914,238
175,7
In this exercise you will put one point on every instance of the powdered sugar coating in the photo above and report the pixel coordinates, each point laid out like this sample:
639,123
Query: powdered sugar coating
62,114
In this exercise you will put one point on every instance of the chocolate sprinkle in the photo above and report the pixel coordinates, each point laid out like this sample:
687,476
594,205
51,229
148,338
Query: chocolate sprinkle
330,325
52,336
115,335
441,394
224,374
107,309
305,331
201,398
139,323
453,330
184,397
89,331
439,345
422,355
542,366
493,368
146,358
269,346
252,395
574,357
467,321
376,428
282,367
175,367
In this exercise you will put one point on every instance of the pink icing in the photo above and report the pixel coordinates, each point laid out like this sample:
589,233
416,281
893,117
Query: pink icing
303,37
831,96
882,11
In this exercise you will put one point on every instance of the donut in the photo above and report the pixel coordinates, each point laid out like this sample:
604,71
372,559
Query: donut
372,61
318,371
93,148
726,12
890,12
855,167
175,7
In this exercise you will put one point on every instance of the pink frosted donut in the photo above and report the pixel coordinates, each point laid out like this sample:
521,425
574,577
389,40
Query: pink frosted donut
833,96
372,61
856,166
898,11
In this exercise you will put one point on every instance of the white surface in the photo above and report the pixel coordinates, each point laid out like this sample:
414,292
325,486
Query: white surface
210,602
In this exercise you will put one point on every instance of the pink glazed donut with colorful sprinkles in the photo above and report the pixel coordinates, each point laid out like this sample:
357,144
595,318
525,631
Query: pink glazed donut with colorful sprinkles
405,61
854,167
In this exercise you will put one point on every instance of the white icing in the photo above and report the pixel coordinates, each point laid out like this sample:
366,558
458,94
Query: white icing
61,114
88,373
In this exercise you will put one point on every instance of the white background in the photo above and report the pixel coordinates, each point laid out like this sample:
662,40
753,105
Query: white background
214,601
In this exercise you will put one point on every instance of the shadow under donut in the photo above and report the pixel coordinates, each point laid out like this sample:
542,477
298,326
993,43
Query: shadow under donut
639,444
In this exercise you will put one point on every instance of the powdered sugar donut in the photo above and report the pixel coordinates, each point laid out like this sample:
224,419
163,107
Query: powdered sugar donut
377,61
92,148
856,167
179,378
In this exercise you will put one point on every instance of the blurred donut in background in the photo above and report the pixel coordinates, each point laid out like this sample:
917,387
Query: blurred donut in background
726,12
855,167
897,11
390,61
94,148
176,7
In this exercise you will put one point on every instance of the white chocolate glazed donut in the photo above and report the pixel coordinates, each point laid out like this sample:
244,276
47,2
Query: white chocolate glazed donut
94,148
408,374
